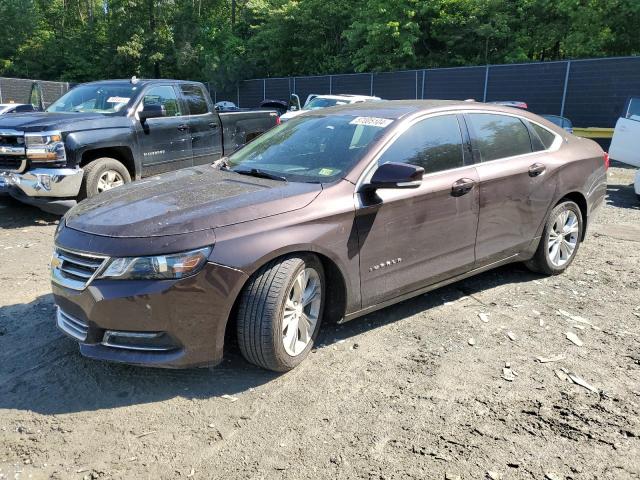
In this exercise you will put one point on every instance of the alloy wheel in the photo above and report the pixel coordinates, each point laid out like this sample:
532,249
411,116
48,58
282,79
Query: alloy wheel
301,311
108,180
563,238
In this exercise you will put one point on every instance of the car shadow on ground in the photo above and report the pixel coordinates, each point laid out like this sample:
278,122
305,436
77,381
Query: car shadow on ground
14,214
44,372
622,196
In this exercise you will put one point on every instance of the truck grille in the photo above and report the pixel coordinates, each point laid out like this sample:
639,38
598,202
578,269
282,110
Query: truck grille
12,151
73,269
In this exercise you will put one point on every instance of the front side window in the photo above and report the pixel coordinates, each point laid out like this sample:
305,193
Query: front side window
633,112
311,148
499,136
163,95
434,144
196,101
108,98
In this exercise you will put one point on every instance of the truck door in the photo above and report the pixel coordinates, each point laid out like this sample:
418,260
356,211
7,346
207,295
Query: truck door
204,124
625,144
165,142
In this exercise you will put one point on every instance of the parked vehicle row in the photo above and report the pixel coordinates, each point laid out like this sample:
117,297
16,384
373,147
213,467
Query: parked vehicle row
329,216
105,134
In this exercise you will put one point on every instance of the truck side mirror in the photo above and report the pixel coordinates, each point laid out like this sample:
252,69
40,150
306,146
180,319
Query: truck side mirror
294,103
152,111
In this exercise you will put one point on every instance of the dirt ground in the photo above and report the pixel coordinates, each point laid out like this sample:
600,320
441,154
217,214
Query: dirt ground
399,394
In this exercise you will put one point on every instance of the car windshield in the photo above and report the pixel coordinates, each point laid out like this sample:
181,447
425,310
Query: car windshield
311,148
98,98
319,102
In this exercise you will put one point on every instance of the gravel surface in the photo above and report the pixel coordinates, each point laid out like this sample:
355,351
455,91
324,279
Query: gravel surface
429,388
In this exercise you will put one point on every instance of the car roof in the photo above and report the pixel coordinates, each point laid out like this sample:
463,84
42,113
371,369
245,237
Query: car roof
140,81
397,109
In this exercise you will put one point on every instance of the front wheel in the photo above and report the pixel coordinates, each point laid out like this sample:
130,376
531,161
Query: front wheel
280,312
101,175
560,240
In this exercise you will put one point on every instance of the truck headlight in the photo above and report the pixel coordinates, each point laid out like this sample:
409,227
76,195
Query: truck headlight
45,146
161,267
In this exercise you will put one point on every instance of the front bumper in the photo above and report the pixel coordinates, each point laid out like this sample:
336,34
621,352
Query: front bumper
163,323
52,189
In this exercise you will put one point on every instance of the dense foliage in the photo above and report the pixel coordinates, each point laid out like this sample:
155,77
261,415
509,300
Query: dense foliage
79,40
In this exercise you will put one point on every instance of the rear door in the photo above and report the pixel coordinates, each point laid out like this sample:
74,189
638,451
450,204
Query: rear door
165,142
625,144
204,125
413,237
515,190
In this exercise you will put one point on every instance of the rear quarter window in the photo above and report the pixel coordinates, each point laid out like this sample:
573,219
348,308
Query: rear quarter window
499,136
545,136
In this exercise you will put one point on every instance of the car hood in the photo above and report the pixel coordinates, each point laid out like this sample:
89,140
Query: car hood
185,201
40,121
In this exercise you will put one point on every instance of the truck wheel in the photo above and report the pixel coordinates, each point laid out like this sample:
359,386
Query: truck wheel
560,240
280,312
101,175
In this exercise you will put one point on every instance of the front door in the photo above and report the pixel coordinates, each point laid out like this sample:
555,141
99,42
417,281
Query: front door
625,144
165,142
413,237
204,125
515,188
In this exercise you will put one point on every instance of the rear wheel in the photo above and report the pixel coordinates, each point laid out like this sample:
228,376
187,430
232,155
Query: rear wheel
560,240
280,312
101,175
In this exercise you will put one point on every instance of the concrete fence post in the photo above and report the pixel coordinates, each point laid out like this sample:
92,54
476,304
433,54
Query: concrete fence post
238,94
330,84
424,74
264,89
371,87
564,90
0,90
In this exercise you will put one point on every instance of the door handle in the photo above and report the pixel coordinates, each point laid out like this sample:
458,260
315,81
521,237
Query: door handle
462,186
536,169
183,127
213,125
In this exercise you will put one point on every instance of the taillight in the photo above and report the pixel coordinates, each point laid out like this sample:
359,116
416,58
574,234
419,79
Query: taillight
606,160
278,121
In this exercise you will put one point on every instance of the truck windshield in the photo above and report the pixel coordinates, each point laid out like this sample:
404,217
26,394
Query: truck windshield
319,102
96,98
311,148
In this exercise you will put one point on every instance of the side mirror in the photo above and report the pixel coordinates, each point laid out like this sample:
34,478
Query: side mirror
152,111
294,103
395,175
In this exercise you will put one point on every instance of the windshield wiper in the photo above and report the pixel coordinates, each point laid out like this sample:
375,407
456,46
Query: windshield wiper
255,172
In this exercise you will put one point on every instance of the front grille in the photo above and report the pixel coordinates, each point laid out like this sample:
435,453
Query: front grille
12,151
73,269
72,326
11,162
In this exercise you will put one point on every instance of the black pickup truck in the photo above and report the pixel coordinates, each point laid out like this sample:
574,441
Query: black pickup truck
104,134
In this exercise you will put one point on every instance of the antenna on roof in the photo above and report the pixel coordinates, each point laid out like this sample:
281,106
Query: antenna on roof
134,80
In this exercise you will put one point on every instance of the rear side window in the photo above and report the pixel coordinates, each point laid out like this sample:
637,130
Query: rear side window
546,137
434,144
195,98
499,136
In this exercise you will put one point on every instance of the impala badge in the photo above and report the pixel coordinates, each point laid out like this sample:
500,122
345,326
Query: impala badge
386,264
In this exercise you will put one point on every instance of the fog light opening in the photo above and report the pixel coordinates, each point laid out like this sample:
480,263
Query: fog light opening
141,341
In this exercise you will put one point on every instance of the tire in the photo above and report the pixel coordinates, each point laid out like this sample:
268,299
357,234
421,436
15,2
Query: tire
547,259
267,297
95,170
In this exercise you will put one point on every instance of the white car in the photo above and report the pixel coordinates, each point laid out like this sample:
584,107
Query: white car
625,144
315,102
6,108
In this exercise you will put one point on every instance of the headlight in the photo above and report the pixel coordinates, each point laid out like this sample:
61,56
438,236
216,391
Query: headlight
45,146
161,267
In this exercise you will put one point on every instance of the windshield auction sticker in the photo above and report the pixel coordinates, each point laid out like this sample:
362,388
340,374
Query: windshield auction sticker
371,121
118,100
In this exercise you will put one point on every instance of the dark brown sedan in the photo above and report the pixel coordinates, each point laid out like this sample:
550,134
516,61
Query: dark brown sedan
330,216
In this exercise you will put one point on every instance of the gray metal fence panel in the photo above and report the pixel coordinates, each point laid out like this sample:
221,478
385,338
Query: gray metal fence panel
598,89
277,88
395,85
18,90
454,83
356,84
540,85
251,93
304,86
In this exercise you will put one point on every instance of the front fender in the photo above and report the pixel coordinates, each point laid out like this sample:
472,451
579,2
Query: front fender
78,143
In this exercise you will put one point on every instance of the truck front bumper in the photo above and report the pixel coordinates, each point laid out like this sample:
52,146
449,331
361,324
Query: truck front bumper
51,189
